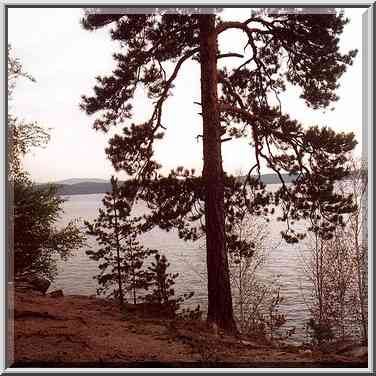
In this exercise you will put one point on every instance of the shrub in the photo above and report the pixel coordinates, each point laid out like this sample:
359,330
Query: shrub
256,302
37,242
319,332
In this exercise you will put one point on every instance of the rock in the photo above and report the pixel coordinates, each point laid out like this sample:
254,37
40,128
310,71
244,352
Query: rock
306,352
250,344
290,346
32,282
56,294
41,284
293,343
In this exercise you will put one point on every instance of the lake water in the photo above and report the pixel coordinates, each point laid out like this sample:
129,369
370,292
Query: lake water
189,260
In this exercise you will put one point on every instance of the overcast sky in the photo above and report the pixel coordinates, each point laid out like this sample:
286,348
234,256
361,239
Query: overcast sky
65,59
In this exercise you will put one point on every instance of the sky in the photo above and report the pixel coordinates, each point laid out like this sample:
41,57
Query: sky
65,59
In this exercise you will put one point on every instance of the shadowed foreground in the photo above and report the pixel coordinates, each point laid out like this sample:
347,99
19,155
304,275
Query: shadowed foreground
79,331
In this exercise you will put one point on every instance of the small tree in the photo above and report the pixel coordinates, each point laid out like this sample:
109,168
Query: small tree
120,254
22,135
34,238
356,235
37,241
163,292
331,270
338,266
357,185
246,256
256,302
321,323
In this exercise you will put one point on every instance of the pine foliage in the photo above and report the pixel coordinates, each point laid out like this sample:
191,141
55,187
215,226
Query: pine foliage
162,282
282,48
120,254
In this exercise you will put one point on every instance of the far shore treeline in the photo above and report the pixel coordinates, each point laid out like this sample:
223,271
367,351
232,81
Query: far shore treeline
92,186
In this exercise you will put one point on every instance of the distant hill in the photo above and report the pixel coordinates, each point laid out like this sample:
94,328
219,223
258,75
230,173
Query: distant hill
83,188
80,180
79,186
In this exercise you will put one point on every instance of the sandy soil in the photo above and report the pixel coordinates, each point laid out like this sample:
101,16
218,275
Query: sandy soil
79,331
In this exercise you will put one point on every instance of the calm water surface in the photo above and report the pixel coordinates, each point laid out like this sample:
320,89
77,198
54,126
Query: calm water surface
188,259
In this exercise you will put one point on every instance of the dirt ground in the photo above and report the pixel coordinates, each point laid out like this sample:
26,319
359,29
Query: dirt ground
79,331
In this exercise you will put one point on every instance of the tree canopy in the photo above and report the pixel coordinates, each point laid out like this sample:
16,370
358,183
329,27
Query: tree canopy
283,48
36,241
22,135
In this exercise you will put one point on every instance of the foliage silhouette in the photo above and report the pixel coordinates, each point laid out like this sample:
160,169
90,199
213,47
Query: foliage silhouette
35,240
120,254
162,282
22,135
281,48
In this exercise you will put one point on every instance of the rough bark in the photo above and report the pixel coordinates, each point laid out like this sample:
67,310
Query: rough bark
219,291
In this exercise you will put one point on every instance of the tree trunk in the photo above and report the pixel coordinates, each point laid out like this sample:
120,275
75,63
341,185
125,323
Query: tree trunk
133,272
219,291
121,295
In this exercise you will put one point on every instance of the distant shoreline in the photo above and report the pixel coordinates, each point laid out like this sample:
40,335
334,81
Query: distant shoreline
69,187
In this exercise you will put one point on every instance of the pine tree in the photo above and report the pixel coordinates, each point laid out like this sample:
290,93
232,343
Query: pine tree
162,283
282,48
162,280
120,254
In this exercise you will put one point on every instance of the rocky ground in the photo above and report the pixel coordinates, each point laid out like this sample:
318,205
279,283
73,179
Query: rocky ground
77,331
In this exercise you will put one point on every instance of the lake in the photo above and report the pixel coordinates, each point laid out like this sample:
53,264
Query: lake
189,260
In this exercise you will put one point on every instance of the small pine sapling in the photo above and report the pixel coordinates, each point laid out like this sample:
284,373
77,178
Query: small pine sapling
133,264
163,293
120,254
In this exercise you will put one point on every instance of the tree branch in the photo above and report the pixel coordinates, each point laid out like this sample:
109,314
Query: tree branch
231,90
241,26
243,114
157,113
158,108
230,54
